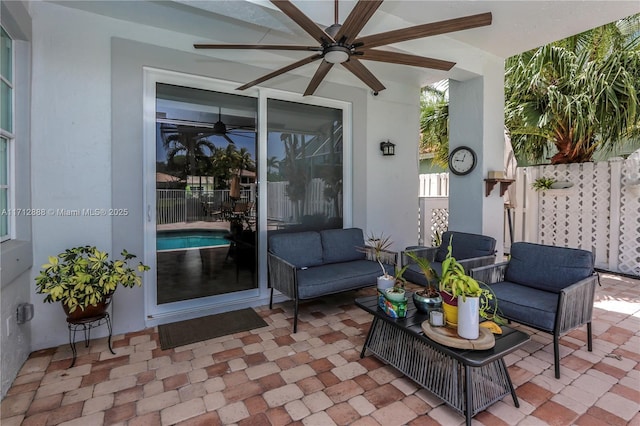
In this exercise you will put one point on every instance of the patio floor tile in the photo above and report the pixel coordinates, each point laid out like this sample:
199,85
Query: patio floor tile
316,376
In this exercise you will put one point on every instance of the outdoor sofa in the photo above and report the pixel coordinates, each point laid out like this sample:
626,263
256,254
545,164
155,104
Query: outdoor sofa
309,264
545,287
470,250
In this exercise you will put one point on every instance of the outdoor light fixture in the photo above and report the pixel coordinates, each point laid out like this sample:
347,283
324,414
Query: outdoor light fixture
388,148
336,54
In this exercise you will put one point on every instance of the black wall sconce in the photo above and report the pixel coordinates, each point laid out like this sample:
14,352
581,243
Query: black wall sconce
388,148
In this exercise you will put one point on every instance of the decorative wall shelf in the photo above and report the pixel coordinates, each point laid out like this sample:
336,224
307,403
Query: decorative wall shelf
490,183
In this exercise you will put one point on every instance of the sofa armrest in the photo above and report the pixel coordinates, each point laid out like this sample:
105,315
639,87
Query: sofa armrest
283,276
476,262
428,253
575,305
489,274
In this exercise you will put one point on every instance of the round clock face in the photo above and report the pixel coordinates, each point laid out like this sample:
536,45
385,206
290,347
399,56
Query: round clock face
462,160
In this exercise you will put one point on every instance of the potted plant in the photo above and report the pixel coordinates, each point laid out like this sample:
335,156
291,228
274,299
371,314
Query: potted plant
543,183
397,292
84,279
379,246
472,299
429,298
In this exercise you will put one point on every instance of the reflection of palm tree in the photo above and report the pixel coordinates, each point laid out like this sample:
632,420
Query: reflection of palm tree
293,169
332,177
197,151
272,164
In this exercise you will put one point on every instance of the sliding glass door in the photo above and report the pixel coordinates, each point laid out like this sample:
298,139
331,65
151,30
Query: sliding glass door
206,221
222,171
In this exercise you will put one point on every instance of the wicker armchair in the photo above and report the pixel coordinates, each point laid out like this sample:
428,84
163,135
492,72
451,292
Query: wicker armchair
548,288
470,250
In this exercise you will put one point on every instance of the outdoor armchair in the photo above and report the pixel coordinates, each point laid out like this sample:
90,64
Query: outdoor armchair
548,288
470,250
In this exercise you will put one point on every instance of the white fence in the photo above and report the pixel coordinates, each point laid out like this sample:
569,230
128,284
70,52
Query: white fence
600,212
281,209
179,205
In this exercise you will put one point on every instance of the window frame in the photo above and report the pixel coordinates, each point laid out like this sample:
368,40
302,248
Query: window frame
9,137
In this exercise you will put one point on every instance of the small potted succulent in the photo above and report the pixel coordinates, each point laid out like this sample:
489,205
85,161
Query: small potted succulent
379,247
429,298
84,279
397,292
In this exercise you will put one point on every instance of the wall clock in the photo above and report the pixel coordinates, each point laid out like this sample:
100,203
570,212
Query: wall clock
462,160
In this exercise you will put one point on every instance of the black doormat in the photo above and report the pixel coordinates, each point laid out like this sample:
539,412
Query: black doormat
199,329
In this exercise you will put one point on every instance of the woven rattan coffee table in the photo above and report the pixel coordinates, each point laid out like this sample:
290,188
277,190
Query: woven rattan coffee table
467,380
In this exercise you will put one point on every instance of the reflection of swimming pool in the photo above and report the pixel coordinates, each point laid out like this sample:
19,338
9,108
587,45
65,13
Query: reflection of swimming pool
197,238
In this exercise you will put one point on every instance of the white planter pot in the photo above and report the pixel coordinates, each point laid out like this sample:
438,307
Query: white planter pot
385,283
469,317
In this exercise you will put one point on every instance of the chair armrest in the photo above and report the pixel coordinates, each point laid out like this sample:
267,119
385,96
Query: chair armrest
476,262
428,253
283,276
490,274
575,305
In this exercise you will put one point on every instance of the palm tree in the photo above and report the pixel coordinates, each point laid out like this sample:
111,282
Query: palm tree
434,123
572,96
575,95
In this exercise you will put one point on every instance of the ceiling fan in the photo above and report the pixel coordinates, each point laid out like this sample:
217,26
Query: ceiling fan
340,44
219,128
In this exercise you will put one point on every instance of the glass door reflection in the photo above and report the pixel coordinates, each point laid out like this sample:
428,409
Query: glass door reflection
205,193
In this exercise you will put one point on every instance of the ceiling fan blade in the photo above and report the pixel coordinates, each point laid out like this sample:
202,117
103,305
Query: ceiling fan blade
228,139
302,20
321,72
405,59
281,71
257,46
360,71
357,19
425,30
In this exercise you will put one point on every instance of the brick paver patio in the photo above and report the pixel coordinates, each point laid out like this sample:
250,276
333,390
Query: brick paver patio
270,376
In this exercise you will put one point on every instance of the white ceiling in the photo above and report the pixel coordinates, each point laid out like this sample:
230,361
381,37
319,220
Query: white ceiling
517,26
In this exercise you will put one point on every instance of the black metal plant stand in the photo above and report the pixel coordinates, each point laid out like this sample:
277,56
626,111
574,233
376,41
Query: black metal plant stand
86,325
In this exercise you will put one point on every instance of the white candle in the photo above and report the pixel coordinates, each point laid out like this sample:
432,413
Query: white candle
437,318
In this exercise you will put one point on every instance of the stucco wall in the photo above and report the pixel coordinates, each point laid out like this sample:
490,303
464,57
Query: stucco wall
87,142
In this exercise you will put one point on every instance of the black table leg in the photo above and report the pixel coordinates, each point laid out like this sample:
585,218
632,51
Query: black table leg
369,334
513,391
468,395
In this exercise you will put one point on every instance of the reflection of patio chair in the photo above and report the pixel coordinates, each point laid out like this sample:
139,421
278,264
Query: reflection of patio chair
226,209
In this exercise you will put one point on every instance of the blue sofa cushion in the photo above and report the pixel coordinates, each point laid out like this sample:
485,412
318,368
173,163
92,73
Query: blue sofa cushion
336,278
342,245
414,274
301,249
548,268
526,305
465,246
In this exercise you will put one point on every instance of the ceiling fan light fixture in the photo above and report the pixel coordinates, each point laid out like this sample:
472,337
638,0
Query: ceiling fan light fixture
336,54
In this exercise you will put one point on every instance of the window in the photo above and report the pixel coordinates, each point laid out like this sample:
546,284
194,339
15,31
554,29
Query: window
6,132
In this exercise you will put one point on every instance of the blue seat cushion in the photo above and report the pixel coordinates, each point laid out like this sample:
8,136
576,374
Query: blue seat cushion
342,245
414,274
301,249
546,267
337,277
465,245
526,305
